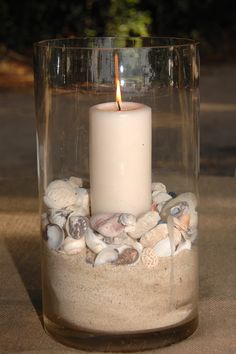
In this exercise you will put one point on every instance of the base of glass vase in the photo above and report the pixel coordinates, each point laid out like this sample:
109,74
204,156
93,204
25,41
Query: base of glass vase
125,342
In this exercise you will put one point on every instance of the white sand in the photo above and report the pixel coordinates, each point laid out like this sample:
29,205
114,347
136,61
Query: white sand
119,298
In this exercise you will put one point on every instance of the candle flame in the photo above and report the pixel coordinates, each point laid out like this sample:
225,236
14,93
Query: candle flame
118,92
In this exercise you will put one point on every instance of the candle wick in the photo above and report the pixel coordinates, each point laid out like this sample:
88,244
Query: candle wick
118,104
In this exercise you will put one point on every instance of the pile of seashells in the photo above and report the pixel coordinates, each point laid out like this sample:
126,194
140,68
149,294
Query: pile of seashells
118,238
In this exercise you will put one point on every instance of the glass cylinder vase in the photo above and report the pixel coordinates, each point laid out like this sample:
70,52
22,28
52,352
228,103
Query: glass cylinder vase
118,157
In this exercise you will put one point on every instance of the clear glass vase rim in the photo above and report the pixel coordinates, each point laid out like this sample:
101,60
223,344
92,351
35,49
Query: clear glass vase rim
61,43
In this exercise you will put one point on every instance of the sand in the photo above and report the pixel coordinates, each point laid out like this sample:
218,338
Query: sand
123,298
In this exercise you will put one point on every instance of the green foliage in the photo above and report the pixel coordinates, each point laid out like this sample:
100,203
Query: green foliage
125,19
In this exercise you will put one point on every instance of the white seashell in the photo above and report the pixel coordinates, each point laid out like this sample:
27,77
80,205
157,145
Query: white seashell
129,221
54,236
186,245
149,258
82,199
158,187
145,223
163,248
107,224
72,246
94,242
76,225
160,199
187,219
107,255
75,182
59,194
58,217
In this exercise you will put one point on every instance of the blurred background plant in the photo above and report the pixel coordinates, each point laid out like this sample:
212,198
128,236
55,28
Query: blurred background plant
212,22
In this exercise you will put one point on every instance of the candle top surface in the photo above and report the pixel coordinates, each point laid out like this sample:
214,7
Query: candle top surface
125,106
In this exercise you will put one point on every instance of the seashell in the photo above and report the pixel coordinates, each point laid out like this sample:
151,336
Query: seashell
160,198
158,187
107,255
163,248
107,224
179,209
76,225
75,182
54,236
186,245
82,199
72,246
127,256
145,223
149,258
124,239
95,242
129,221
187,219
59,194
155,235
90,256
58,217
185,198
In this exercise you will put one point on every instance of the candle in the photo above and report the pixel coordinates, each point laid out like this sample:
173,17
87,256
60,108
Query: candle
120,158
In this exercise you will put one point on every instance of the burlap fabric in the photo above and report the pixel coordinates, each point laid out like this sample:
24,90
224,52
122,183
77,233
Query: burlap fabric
20,297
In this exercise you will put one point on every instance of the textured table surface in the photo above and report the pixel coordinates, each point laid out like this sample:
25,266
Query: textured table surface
20,295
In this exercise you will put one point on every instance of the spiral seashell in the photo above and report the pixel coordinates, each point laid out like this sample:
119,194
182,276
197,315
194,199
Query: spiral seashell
76,225
54,236
95,242
187,218
72,246
149,258
59,194
107,224
144,224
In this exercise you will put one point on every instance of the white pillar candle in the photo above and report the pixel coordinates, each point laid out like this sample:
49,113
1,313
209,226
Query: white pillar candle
120,158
